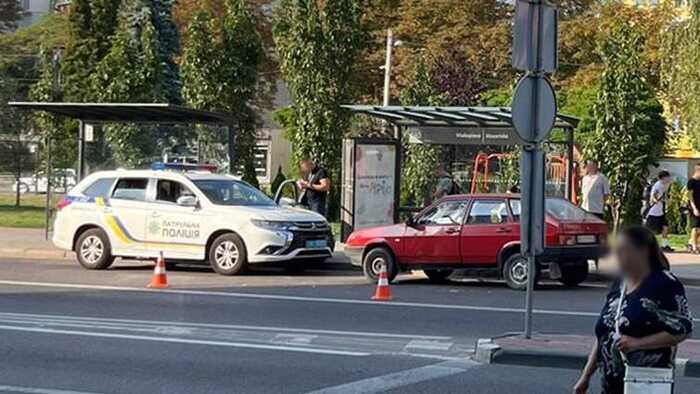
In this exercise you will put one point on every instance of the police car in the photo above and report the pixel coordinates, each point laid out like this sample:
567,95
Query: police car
190,215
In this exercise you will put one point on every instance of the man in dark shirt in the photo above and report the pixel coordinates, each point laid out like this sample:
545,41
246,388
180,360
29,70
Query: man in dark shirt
315,185
694,202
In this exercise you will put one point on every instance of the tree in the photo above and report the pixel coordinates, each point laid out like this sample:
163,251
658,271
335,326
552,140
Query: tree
140,67
10,14
319,43
450,79
92,23
219,67
242,50
681,76
630,131
419,160
15,156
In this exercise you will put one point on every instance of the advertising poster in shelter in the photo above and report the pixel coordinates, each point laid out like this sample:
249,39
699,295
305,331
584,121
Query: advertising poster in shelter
375,182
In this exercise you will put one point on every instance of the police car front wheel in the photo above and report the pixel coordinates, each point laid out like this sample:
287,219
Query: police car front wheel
94,250
227,255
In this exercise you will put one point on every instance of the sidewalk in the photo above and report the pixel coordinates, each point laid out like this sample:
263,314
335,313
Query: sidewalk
30,243
685,266
565,351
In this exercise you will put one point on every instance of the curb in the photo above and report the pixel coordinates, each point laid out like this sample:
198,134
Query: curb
487,351
332,264
35,253
603,277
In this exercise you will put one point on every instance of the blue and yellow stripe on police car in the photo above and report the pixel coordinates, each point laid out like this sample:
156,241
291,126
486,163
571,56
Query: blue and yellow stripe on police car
121,232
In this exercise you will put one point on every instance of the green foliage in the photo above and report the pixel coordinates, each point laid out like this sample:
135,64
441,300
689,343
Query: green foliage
140,67
681,75
279,178
220,69
91,24
419,160
623,141
10,14
319,44
249,174
508,174
677,200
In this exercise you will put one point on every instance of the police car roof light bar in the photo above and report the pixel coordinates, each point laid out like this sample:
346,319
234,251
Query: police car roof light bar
160,166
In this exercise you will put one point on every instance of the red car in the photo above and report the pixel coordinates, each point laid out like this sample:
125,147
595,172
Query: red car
481,232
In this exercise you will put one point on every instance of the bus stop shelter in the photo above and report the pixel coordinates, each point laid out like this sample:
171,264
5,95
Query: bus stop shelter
467,126
372,166
137,113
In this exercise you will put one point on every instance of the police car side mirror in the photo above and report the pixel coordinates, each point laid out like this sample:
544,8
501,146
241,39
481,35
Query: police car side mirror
187,201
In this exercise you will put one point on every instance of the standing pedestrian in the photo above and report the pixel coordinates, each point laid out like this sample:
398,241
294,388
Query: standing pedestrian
656,215
652,318
315,185
446,184
694,214
595,189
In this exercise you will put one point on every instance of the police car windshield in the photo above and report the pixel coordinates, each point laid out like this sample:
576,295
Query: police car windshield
230,192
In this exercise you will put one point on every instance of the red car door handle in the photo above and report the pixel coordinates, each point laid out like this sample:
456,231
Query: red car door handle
504,230
452,231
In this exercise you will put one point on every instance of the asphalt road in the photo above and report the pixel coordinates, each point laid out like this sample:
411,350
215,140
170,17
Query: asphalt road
64,329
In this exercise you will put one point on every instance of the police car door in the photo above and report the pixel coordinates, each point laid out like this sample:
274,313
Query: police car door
125,216
174,227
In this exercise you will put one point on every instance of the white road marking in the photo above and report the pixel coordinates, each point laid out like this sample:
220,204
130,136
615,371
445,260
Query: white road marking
399,379
101,320
182,340
37,390
302,299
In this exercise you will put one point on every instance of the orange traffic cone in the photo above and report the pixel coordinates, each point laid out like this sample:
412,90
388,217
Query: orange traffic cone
383,293
159,279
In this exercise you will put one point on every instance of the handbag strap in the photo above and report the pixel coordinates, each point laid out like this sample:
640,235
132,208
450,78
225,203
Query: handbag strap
618,313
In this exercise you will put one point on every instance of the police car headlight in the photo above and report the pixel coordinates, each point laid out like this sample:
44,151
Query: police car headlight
271,224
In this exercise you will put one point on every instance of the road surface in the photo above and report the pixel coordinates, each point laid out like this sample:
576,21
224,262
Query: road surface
67,330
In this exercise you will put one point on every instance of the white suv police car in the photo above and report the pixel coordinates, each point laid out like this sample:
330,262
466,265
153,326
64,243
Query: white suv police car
193,216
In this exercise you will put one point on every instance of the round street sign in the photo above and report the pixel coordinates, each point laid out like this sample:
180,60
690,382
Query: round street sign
533,88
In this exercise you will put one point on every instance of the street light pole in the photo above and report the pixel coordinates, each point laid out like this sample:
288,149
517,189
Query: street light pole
387,65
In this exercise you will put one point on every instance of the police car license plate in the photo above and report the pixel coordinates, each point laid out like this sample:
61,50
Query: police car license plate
316,243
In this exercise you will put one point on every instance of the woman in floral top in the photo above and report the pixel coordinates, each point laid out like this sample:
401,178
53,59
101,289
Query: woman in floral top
654,317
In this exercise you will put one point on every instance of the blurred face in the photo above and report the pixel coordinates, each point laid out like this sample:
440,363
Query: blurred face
666,180
591,168
307,165
631,260
697,170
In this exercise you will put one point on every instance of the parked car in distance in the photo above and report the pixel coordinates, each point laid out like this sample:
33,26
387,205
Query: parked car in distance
481,232
64,179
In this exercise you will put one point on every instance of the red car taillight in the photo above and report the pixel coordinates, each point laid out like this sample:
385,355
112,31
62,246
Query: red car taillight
567,240
62,204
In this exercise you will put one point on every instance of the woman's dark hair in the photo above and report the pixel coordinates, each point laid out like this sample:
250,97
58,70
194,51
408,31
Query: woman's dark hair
642,238
663,174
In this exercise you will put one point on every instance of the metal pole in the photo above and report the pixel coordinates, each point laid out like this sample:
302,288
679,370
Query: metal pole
531,263
231,149
81,150
387,66
56,68
569,163
49,175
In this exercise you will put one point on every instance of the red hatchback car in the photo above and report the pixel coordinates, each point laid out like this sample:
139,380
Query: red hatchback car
481,232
